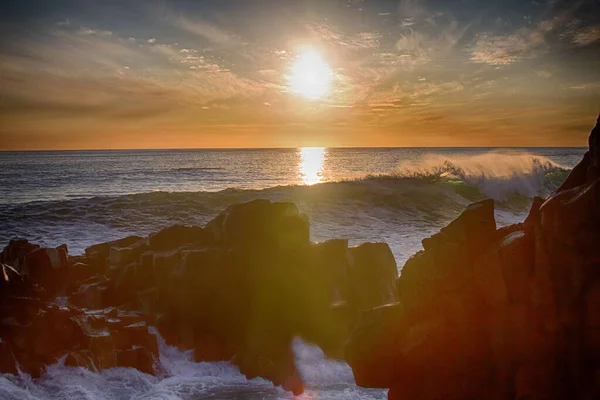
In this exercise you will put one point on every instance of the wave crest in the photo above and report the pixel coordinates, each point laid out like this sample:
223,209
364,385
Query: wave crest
497,174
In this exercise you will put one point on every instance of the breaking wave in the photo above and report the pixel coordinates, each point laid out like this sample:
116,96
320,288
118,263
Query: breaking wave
180,378
400,207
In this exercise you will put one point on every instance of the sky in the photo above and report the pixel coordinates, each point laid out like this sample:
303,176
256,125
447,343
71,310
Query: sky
85,74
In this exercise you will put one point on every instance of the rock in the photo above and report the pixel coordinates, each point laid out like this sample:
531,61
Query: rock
98,254
93,293
260,224
590,338
14,254
475,226
373,274
121,256
8,364
497,313
372,349
516,259
136,357
277,365
46,267
176,236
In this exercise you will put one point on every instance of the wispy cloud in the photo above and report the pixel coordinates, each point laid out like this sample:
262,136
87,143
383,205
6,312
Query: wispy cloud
396,65
524,44
587,35
83,73
206,30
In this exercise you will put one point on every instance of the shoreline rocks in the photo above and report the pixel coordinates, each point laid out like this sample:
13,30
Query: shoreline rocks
510,313
239,290
480,313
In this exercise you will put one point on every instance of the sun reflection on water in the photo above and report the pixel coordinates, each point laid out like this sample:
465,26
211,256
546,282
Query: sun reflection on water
311,164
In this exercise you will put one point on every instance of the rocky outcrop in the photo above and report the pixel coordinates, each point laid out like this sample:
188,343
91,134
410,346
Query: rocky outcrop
239,289
510,313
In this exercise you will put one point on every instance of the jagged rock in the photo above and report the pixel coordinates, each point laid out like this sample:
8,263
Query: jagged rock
175,236
98,253
238,290
496,313
121,256
16,250
475,226
260,224
372,360
139,358
372,276
93,293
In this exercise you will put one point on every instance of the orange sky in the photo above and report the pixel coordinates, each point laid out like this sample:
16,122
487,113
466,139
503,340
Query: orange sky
216,74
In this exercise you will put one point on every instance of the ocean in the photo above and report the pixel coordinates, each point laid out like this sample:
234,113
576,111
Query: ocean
396,195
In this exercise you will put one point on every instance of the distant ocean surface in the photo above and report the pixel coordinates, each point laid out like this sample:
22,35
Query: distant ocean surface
396,195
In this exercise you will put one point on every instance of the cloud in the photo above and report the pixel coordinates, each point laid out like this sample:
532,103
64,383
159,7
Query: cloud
72,75
586,86
586,36
87,31
544,74
525,43
206,30
153,40
335,37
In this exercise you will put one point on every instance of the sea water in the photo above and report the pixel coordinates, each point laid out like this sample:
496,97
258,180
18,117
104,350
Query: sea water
394,195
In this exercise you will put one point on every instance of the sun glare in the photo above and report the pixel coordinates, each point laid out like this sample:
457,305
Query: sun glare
311,164
310,76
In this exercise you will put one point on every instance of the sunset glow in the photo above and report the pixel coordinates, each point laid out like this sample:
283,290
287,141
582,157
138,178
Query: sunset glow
310,76
271,74
311,164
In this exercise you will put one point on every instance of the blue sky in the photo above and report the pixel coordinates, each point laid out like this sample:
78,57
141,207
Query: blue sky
131,74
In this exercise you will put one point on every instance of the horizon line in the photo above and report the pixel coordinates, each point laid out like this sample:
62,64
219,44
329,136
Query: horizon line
294,148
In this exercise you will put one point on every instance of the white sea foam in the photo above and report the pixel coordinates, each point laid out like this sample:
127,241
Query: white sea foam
497,174
182,379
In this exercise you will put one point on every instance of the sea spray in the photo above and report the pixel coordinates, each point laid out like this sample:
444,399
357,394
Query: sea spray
180,378
496,174
400,207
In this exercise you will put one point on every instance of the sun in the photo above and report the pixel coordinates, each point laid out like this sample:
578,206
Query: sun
310,76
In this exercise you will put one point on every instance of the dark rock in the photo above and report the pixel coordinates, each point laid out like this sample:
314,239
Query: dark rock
136,357
476,225
8,364
516,259
46,267
497,313
373,347
14,254
98,254
260,224
176,236
373,274
121,256
93,293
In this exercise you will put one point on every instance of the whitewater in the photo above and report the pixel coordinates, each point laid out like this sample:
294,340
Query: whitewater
398,196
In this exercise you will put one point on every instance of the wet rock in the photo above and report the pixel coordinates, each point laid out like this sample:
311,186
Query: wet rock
97,255
260,224
177,236
121,256
45,267
373,274
238,290
475,226
373,347
496,313
136,357
94,293
16,250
